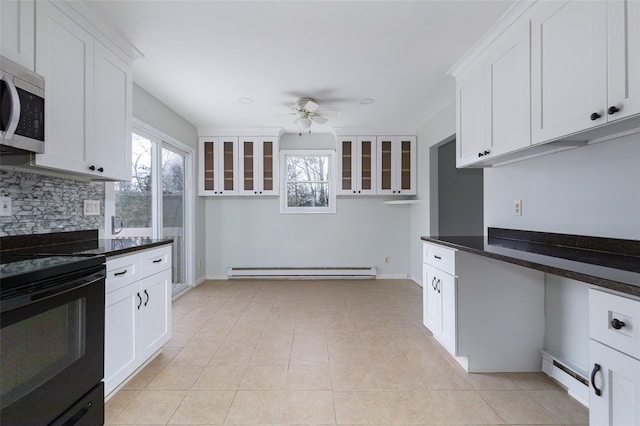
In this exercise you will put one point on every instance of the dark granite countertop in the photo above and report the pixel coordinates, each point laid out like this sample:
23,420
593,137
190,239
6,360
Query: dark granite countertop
603,262
78,242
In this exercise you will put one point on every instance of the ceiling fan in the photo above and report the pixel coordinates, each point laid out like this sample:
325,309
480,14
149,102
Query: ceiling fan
308,111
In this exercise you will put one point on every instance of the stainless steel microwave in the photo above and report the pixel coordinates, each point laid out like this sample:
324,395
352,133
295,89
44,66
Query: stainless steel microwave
22,113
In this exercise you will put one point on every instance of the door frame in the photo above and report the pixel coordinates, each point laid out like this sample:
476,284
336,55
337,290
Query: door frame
189,199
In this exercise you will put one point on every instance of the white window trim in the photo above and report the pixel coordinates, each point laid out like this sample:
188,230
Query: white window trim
284,209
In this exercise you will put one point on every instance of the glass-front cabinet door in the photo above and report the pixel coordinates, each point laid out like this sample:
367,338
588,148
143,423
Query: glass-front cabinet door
218,166
257,167
397,165
357,155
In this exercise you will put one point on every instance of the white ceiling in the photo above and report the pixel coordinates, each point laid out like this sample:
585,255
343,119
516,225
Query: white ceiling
200,57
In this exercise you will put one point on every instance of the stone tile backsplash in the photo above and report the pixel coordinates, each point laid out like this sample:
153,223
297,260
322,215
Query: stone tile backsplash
42,204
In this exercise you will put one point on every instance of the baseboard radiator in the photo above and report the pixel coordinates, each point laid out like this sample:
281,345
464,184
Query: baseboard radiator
368,272
577,385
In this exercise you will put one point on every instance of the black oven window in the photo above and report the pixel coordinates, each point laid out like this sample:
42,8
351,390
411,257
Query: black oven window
39,348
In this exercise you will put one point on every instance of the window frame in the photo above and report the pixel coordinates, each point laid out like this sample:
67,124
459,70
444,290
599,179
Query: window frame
284,208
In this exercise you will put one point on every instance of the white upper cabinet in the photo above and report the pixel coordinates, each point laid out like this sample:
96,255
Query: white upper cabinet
88,92
112,114
551,75
258,166
218,157
493,100
17,31
584,75
569,74
396,165
623,58
357,165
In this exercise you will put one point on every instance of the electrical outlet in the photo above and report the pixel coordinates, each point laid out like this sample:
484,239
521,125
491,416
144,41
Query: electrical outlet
91,207
387,259
5,206
517,208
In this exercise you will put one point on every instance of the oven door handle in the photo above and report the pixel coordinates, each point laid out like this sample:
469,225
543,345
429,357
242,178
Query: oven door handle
29,296
14,117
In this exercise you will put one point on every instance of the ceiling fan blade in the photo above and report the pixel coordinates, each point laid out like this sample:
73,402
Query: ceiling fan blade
311,106
319,119
326,113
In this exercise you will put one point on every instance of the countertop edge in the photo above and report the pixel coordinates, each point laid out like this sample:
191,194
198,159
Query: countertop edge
129,250
575,275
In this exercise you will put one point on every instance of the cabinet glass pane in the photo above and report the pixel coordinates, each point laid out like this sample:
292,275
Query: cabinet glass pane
228,166
365,173
209,161
267,166
405,159
347,173
248,165
386,165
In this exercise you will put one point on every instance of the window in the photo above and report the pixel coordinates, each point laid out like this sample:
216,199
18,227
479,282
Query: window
307,182
156,202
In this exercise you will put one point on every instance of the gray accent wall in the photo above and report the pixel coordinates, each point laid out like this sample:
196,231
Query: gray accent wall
42,204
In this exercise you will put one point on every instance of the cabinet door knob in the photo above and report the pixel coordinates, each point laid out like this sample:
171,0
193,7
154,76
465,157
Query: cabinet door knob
612,110
480,154
617,324
101,170
596,368
594,116
486,152
92,167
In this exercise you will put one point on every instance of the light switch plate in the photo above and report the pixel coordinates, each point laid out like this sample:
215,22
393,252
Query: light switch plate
91,207
5,206
517,208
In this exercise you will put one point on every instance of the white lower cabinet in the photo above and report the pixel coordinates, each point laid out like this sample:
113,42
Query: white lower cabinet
488,314
137,312
614,355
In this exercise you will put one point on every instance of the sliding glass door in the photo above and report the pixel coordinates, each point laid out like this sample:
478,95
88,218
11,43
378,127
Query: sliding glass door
155,203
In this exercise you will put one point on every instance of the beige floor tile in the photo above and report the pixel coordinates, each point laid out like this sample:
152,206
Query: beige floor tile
264,377
256,407
151,407
203,407
315,377
491,381
361,407
271,354
308,407
194,355
117,403
233,354
353,377
176,377
562,406
532,381
220,377
396,377
517,407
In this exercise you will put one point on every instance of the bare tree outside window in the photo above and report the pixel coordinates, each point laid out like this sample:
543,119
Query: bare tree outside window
308,182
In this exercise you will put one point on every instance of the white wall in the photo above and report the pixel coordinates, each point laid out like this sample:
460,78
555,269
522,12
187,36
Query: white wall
440,127
251,232
592,190
153,112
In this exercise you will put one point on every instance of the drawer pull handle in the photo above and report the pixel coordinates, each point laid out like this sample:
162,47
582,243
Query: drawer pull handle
596,368
433,284
139,300
617,324
157,261
437,257
117,274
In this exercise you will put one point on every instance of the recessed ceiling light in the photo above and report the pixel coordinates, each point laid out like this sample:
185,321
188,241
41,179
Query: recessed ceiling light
367,101
245,101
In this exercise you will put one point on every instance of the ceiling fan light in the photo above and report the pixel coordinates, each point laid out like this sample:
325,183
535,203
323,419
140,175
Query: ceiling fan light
303,122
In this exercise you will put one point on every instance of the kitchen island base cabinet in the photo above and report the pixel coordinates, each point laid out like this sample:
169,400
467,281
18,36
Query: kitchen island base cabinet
137,312
490,315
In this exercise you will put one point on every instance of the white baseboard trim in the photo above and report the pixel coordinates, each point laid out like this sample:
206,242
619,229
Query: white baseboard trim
416,280
200,280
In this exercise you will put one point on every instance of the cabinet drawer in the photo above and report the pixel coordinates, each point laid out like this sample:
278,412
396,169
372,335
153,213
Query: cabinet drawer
613,320
155,260
440,257
121,271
